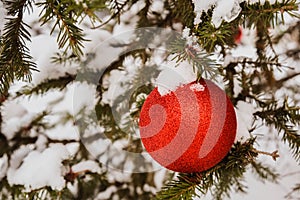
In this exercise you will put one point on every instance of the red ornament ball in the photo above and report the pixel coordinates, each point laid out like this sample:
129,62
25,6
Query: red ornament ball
190,129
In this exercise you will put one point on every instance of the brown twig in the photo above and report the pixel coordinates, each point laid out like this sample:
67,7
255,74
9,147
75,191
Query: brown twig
274,154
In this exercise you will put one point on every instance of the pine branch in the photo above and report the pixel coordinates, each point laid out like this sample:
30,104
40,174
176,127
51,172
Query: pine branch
263,16
254,15
291,194
246,72
90,8
210,37
264,173
150,18
64,58
117,64
15,61
144,20
267,14
16,190
289,31
125,105
183,188
70,36
116,8
106,119
59,83
285,119
200,60
22,137
221,179
258,63
185,14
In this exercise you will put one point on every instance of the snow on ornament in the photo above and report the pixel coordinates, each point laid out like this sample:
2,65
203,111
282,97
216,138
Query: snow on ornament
190,129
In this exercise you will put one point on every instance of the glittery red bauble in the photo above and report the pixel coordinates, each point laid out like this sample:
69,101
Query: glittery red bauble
190,129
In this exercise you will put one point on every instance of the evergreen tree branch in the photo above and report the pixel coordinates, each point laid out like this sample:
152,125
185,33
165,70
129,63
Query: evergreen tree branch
15,61
291,194
263,16
117,8
267,14
182,188
22,137
237,72
222,178
264,173
210,36
70,36
257,15
289,31
200,60
185,14
285,119
116,64
90,8
58,83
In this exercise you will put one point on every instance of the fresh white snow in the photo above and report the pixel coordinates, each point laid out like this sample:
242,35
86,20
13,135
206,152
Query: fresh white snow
40,169
173,75
89,165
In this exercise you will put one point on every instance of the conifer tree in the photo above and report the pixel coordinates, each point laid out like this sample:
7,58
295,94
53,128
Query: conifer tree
98,57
